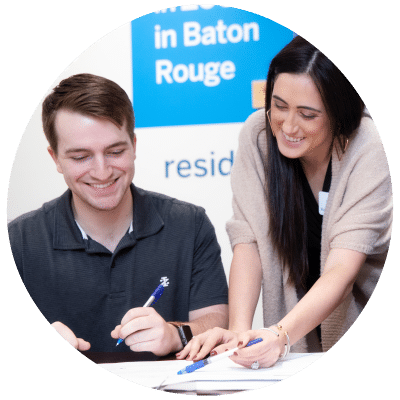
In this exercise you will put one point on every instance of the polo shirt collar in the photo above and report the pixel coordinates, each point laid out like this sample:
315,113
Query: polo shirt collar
146,221
85,237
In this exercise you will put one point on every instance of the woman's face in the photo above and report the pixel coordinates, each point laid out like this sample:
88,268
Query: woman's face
299,119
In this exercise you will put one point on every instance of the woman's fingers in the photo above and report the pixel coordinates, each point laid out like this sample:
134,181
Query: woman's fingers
214,337
224,347
211,344
192,347
202,344
219,340
245,337
266,352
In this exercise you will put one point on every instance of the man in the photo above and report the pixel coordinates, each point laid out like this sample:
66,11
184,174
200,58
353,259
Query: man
91,258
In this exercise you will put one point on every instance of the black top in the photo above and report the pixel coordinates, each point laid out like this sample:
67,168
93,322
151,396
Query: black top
314,228
82,284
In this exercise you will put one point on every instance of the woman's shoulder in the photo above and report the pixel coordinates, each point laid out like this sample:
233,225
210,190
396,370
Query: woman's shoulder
365,152
365,142
253,127
365,137
255,122
257,118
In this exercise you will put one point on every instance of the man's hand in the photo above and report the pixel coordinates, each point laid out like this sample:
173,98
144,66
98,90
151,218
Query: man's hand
70,337
143,329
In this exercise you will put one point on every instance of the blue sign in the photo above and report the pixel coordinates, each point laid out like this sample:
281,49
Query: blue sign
194,64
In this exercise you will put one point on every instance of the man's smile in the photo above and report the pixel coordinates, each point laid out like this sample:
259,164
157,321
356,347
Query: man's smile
101,186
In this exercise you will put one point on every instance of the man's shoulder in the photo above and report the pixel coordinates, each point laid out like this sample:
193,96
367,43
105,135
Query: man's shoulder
32,217
164,202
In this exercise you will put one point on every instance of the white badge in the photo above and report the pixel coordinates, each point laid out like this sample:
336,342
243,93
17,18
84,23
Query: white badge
322,199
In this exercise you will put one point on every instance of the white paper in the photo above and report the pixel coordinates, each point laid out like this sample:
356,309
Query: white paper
223,375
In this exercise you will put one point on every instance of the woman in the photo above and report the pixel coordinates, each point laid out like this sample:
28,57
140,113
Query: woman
316,256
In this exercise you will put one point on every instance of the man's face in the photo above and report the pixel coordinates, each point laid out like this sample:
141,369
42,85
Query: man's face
97,160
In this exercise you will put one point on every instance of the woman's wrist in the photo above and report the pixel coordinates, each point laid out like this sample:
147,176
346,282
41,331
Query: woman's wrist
284,338
239,327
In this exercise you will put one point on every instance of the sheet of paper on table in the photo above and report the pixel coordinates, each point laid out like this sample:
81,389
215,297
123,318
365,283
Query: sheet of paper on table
223,375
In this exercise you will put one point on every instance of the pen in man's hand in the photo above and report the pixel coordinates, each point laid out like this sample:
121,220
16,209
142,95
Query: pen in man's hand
152,299
210,360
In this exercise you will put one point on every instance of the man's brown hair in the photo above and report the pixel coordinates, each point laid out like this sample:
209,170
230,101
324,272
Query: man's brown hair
89,95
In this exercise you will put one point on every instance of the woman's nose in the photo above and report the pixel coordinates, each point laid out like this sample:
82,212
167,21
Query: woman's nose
289,125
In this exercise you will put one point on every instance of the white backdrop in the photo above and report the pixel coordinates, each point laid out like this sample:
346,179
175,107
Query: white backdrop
34,171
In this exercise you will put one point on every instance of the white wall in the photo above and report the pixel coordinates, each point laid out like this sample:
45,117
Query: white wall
34,171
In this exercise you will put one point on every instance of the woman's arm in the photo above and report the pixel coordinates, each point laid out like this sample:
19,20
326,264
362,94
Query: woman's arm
244,290
245,278
334,285
320,301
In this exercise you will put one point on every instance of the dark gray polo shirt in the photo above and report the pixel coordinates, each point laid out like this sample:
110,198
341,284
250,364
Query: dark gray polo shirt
82,284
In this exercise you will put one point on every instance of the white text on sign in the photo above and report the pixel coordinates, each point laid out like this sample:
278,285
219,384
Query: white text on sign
193,34
211,72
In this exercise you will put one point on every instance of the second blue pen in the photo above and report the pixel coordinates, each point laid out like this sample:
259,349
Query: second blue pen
209,360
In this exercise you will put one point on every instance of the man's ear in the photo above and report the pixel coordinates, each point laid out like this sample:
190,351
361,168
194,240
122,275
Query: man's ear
55,159
134,147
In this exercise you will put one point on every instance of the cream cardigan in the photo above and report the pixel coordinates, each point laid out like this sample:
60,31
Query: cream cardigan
358,216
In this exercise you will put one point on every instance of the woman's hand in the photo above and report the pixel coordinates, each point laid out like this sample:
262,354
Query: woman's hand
202,344
266,352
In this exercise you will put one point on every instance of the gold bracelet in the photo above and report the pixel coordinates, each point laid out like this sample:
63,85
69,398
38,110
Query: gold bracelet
287,347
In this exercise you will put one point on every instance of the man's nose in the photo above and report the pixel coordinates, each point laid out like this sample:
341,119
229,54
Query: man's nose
101,169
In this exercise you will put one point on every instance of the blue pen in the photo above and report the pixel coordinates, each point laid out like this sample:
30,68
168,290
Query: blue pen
153,298
209,360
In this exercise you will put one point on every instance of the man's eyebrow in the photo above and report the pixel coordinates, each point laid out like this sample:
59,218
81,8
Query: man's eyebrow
76,150
117,144
83,149
305,107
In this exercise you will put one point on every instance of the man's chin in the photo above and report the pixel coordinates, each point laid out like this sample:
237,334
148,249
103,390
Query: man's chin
99,206
84,201
104,207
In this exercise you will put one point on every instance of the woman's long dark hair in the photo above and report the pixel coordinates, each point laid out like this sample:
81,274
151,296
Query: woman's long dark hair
288,228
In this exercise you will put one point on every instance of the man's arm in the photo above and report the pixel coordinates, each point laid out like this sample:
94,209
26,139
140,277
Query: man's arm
208,317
